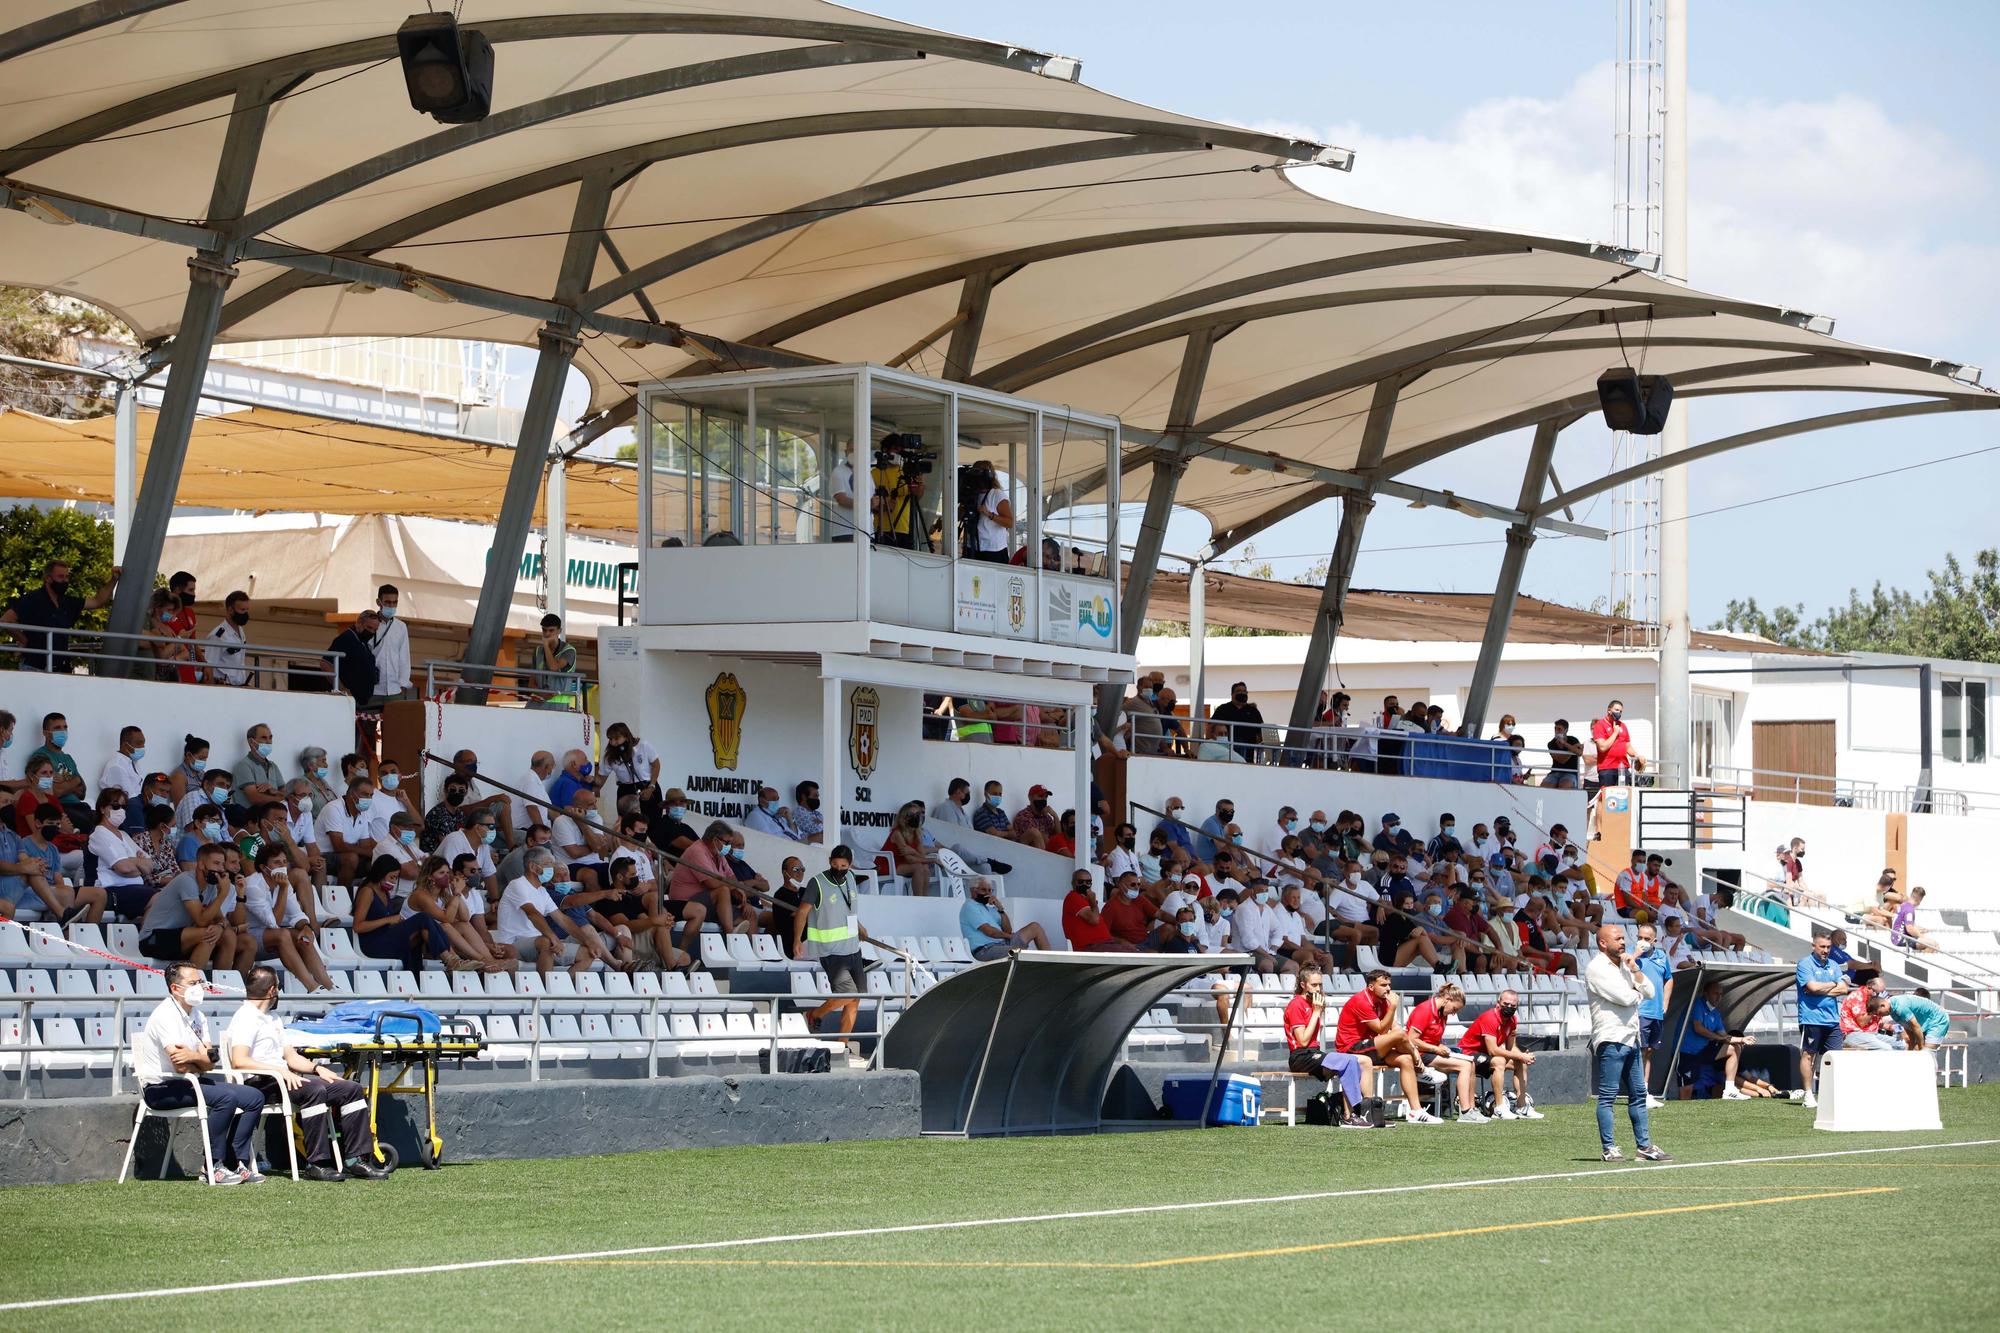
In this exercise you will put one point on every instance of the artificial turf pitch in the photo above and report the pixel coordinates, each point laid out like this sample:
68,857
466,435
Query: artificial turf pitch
1904,1239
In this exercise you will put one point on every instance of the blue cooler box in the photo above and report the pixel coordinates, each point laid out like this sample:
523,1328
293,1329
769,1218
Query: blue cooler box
1238,1100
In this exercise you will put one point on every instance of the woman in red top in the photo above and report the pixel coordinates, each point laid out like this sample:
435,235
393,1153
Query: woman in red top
1427,1022
1304,1018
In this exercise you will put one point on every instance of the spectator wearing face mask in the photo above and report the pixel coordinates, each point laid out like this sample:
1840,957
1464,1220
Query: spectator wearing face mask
1257,929
257,780
1244,720
1612,741
351,657
1285,825
317,773
989,932
347,830
1447,836
188,919
1565,758
704,887
1214,831
277,923
1083,924
1128,913
1124,858
52,607
577,775
1035,825
223,651
390,647
31,876
188,774
530,922
476,839
771,817
123,867
171,1055
256,1042
121,773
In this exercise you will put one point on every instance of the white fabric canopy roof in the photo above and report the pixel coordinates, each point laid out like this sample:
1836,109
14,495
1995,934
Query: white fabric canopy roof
795,175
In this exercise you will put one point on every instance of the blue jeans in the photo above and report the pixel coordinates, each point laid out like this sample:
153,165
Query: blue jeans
1619,1069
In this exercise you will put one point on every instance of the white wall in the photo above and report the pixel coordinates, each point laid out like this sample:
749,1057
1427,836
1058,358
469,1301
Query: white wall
1259,791
98,708
663,697
505,739
1845,849
1951,856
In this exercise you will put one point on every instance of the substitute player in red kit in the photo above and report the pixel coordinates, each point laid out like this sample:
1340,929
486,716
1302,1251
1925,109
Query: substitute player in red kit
1491,1041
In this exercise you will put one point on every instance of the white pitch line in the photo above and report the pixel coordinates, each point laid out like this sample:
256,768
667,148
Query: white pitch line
472,1265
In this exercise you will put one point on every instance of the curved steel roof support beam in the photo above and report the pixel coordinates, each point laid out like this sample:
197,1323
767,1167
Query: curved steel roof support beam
1613,481
1579,404
1196,299
73,23
575,102
369,50
1297,305
974,297
636,157
896,187
1305,498
841,307
1409,360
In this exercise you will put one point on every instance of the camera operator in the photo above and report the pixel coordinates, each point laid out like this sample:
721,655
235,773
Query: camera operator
898,473
986,515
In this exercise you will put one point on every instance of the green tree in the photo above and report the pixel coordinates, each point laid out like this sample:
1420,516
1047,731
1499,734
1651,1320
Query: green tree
1957,616
30,538
44,327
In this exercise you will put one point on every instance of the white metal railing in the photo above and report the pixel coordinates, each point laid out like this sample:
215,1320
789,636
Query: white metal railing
531,1046
87,647
1365,749
1775,784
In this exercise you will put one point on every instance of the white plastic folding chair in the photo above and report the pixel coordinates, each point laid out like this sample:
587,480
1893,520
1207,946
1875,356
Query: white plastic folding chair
282,1108
198,1113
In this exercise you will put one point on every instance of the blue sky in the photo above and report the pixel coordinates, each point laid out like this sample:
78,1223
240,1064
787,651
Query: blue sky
1841,161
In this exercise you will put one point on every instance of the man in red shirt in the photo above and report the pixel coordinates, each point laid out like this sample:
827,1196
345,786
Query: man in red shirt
1614,746
1127,913
1490,1040
1305,1021
1368,1027
1427,1022
1082,925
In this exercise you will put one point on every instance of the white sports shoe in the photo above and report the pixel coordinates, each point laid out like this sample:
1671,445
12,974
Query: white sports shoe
1736,1095
1527,1111
1652,1102
1812,1102
1430,1078
1419,1116
1505,1113
1473,1118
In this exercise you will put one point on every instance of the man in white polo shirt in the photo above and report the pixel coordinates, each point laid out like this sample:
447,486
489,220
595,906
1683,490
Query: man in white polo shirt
121,770
171,1054
347,830
256,1041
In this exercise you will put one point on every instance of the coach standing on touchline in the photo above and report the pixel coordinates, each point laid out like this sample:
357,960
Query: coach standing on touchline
1617,987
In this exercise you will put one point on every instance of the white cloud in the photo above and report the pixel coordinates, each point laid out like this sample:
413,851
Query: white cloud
1827,205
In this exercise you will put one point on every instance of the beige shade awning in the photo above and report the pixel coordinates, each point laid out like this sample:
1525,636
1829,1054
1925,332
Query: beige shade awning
804,179
266,460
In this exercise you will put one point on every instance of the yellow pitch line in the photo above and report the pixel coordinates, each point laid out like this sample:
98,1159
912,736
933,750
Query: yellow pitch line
1245,1254
1513,1226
